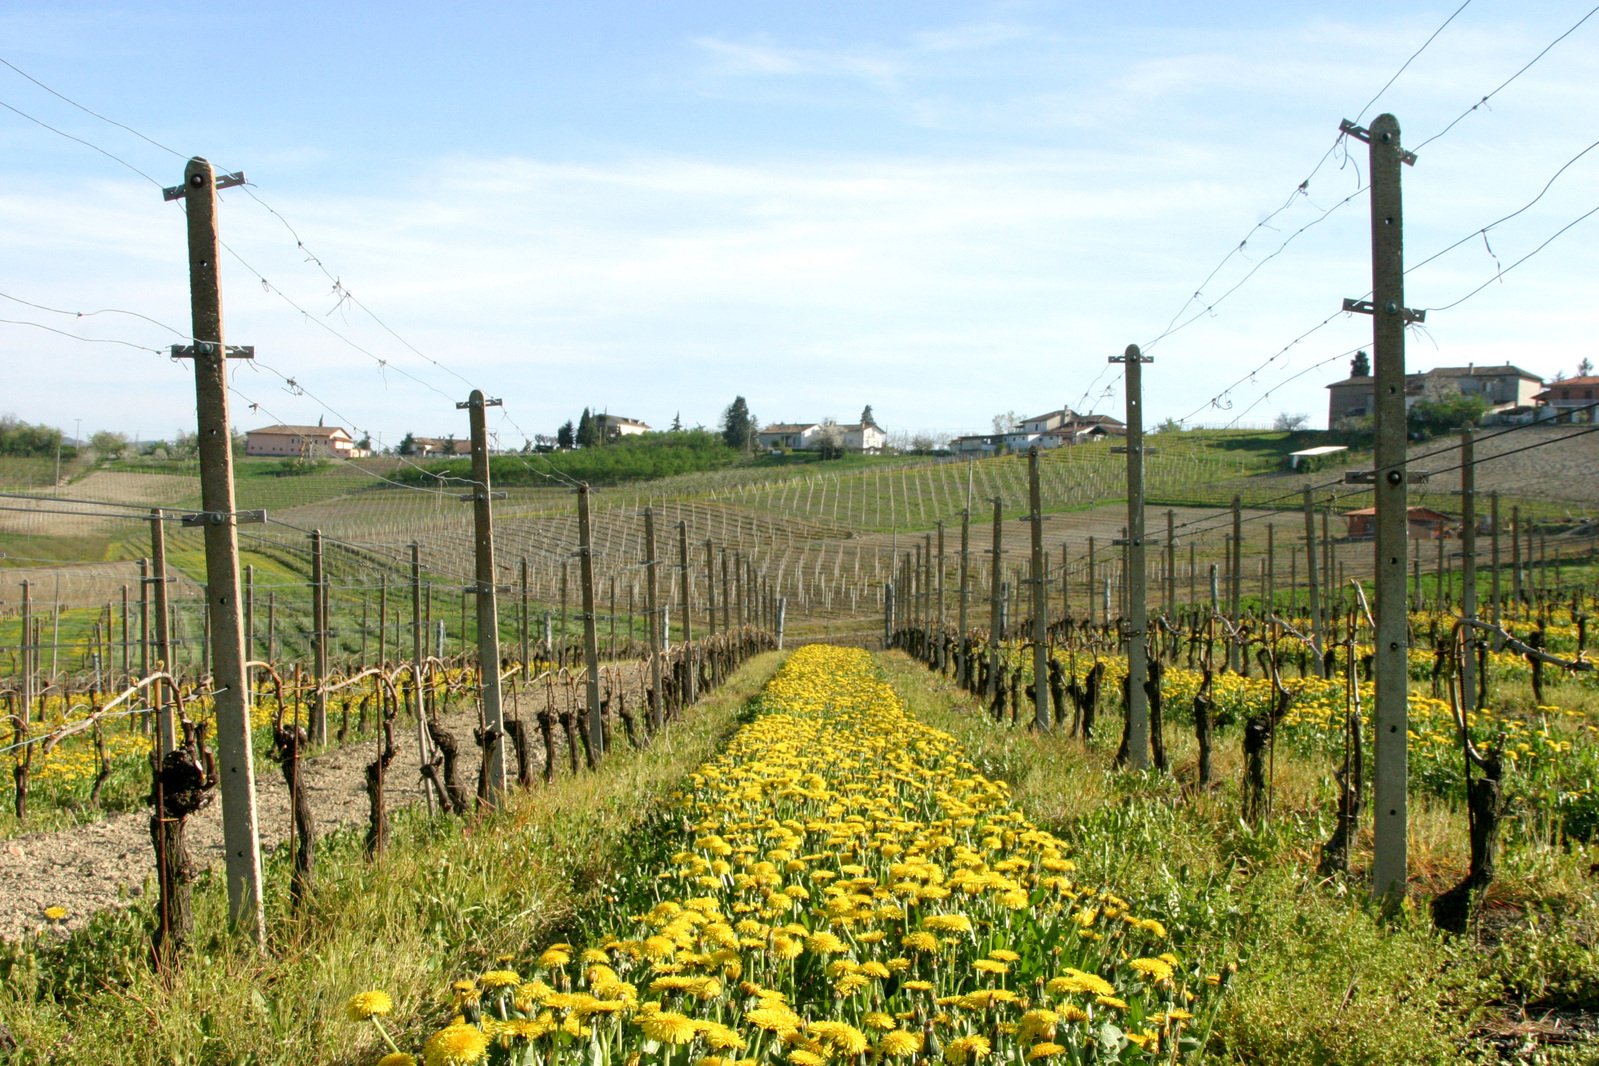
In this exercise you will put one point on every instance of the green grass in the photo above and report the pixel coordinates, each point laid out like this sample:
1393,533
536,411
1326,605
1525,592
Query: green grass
448,897
1321,976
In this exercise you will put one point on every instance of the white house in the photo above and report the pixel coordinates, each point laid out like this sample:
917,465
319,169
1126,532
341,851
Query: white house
300,442
794,436
614,426
867,438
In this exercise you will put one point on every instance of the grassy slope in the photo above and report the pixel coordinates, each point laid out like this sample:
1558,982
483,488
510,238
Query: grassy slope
447,899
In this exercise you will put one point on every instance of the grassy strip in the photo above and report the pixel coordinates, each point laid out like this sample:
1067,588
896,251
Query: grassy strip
844,887
449,894
1321,978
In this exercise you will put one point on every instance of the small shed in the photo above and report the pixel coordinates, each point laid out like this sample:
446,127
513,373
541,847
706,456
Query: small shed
1423,523
1310,459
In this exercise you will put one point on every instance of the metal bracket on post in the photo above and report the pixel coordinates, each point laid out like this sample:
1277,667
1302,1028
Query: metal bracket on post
1363,135
1366,307
474,497
223,181
199,519
231,351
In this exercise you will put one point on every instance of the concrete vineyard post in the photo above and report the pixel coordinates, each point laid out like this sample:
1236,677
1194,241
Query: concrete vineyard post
1315,590
688,615
319,643
996,599
235,762
488,613
1040,627
1468,563
165,715
652,614
1390,863
591,650
1137,612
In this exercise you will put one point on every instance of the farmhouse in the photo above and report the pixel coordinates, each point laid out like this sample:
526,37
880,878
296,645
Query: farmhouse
613,426
1423,523
1504,389
301,442
1082,429
867,438
440,446
1570,400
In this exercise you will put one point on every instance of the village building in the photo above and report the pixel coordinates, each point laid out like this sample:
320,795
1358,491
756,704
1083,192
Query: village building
441,446
612,427
1422,523
866,438
302,442
1507,391
1571,400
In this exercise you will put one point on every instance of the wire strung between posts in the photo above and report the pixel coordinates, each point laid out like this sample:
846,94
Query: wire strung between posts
1502,85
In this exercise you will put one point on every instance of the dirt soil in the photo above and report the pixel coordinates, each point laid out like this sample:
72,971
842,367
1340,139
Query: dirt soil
110,863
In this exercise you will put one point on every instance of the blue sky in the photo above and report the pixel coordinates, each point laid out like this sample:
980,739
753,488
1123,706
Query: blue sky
945,210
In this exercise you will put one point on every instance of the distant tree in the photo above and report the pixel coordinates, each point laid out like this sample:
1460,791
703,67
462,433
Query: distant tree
1360,365
21,438
1431,418
923,443
677,422
1289,423
738,425
1006,422
365,443
184,445
1170,425
407,445
830,440
108,445
566,437
1585,367
866,416
588,434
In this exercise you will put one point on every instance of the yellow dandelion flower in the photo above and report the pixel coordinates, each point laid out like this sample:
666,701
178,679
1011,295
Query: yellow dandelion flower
1004,955
455,1045
876,1019
1156,970
1044,1050
1111,1001
990,966
825,943
920,941
1074,980
947,923
1071,1013
55,914
364,1005
774,1018
720,1037
803,1057
495,979
555,956
964,1049
668,1027
397,1058
1038,1022
787,947
899,1044
840,1036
